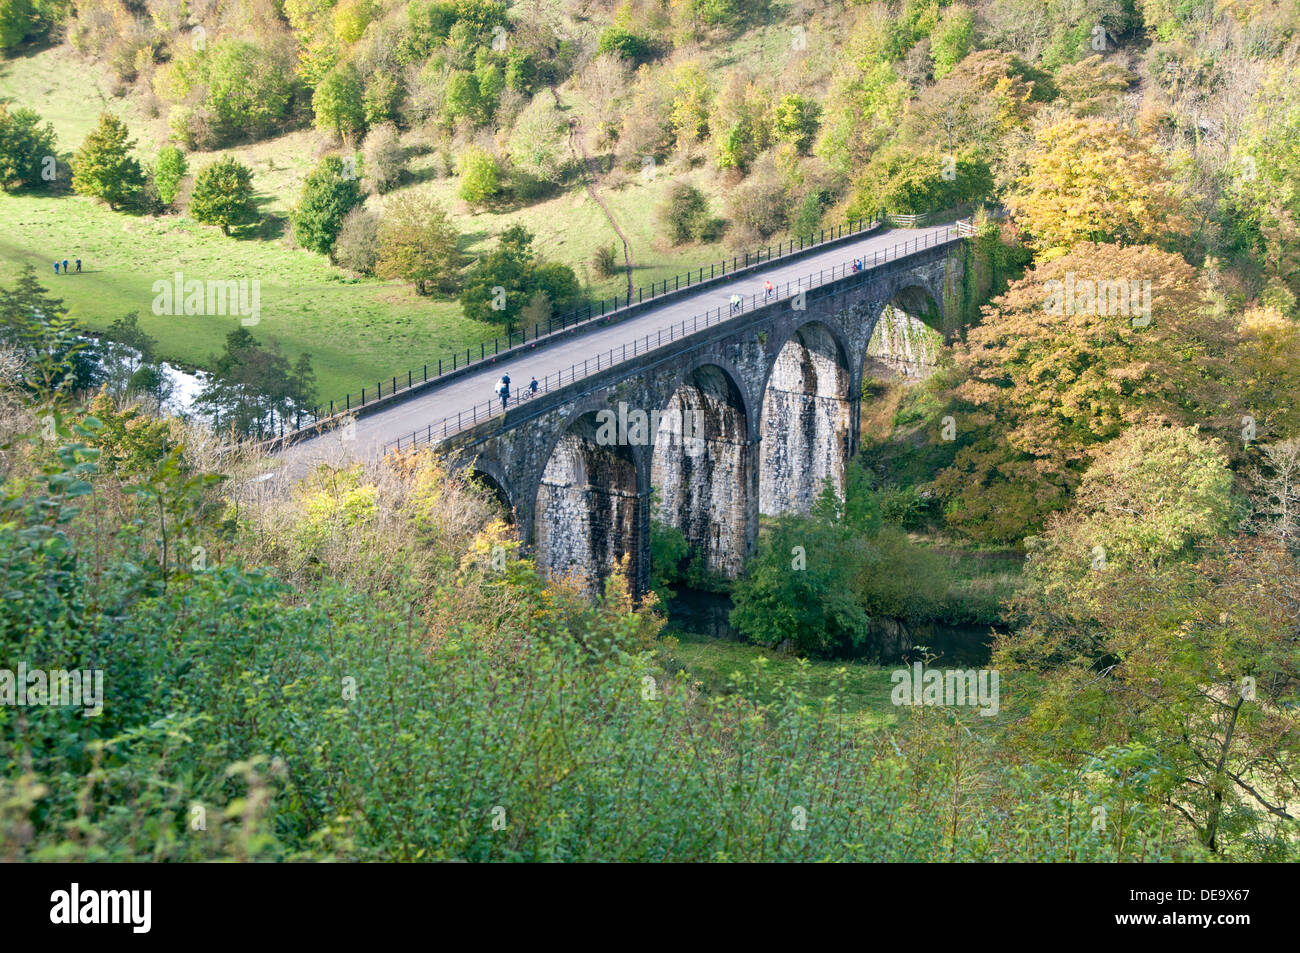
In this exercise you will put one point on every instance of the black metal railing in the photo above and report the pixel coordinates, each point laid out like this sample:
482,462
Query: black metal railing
451,425
591,311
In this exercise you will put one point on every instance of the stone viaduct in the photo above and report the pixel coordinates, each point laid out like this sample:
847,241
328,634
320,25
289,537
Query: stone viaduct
769,411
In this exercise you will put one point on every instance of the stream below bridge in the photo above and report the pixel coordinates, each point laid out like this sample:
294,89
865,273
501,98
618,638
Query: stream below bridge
706,613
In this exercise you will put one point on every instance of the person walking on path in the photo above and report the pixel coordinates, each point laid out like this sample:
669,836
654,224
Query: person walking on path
532,386
78,266
65,266
56,267
768,290
503,391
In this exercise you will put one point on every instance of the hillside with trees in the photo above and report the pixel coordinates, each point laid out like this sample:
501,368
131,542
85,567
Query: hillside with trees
1099,473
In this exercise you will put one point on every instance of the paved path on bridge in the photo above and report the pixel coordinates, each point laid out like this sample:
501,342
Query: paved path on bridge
375,430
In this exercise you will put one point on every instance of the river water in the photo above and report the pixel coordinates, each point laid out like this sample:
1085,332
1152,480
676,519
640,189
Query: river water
185,388
705,613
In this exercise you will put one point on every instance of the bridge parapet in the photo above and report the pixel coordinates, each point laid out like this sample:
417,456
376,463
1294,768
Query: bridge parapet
413,383
488,410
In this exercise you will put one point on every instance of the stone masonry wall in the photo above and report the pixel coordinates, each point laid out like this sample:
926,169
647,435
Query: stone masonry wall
778,394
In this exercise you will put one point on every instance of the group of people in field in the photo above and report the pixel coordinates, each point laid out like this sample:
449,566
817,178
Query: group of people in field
65,267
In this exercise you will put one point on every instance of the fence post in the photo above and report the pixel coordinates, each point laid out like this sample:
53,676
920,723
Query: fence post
363,397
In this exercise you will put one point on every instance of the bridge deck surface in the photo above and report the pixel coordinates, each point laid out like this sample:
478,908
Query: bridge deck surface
375,430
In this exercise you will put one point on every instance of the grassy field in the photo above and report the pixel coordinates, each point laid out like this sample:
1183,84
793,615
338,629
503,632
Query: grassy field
864,690
357,331
713,662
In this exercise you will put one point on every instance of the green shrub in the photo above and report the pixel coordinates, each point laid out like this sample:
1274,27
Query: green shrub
901,180
339,103
668,549
15,22
904,506
168,171
633,48
104,167
604,261
329,193
682,213
480,177
245,91
512,266
24,145
223,195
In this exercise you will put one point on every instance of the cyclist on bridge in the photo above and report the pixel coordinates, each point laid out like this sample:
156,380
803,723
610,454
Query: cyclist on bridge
768,290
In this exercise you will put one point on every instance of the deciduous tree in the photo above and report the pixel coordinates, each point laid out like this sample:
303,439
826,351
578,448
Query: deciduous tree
1060,364
223,195
1091,180
24,147
104,167
329,193
418,243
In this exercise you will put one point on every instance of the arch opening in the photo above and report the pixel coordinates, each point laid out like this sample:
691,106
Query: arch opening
908,335
495,492
586,515
806,422
700,469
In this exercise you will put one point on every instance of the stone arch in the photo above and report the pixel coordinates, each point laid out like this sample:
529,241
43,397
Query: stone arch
489,474
908,333
702,466
587,515
806,419
916,299
496,490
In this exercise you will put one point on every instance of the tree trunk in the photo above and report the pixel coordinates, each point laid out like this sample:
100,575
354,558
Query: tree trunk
1212,823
